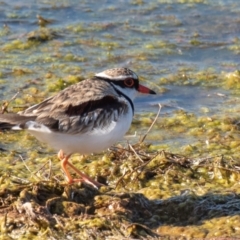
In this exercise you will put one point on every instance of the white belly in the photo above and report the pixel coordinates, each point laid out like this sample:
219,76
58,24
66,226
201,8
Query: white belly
86,143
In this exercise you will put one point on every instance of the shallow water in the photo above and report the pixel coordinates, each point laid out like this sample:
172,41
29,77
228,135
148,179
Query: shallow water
172,40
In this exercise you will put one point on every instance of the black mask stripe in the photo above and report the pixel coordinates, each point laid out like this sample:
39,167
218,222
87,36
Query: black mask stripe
121,84
122,94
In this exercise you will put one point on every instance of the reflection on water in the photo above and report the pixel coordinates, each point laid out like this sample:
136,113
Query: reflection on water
187,98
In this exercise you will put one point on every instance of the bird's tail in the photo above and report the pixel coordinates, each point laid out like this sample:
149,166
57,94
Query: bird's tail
13,121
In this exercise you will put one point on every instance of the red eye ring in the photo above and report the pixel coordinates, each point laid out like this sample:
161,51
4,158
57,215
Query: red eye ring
129,82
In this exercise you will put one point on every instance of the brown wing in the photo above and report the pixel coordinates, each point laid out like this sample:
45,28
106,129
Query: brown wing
79,108
86,116
75,95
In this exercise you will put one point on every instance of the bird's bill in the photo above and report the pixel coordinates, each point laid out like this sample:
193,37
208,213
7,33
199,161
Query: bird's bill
144,89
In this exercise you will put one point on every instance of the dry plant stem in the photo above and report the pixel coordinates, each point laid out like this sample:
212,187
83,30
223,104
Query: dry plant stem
147,229
41,167
142,166
5,104
50,168
25,163
135,169
127,150
130,146
23,181
120,179
159,110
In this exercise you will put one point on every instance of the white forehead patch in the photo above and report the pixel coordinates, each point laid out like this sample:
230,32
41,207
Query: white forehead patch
117,74
120,77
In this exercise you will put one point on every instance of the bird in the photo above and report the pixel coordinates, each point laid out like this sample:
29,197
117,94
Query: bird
86,117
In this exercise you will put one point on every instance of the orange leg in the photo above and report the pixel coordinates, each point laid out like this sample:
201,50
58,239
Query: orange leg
84,177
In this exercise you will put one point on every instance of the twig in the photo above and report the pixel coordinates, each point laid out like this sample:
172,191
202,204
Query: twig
24,163
120,179
135,152
6,103
141,167
50,169
143,138
43,166
135,169
113,149
19,180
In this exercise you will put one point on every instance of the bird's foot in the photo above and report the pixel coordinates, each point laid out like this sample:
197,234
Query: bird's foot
84,178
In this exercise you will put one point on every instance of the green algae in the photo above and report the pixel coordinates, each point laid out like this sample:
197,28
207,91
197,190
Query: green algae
235,46
131,210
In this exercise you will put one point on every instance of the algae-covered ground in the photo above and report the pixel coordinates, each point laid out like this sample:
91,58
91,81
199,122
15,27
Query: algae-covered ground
181,180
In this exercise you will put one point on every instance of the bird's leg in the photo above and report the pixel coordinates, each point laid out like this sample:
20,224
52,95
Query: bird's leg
64,162
85,178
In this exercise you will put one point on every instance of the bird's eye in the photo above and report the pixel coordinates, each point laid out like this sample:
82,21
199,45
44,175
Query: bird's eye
129,82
